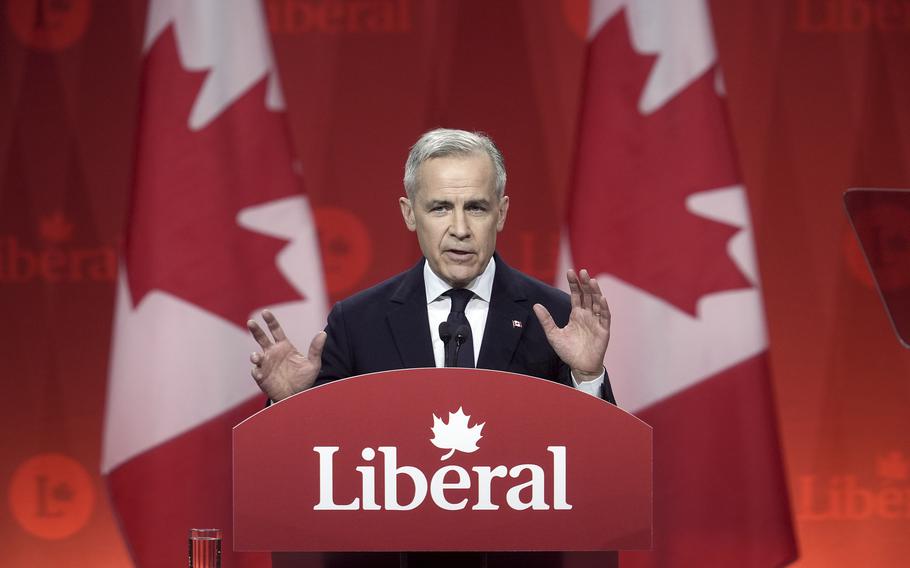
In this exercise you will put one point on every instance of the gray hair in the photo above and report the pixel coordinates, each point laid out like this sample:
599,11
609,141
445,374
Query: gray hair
444,142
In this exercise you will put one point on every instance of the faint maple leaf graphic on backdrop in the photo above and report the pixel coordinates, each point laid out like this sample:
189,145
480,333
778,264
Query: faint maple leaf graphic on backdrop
55,228
456,435
893,467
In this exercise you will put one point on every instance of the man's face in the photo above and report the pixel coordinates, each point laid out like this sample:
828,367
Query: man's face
456,216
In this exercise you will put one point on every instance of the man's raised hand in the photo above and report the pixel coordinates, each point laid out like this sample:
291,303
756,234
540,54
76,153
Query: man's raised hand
280,370
582,343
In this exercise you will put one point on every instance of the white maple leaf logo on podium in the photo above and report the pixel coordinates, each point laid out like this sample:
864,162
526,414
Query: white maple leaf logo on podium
456,435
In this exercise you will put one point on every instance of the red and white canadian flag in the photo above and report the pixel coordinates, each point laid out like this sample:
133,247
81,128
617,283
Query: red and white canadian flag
218,230
659,216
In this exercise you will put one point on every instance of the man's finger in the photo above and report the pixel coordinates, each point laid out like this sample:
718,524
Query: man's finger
256,358
545,319
600,300
315,351
274,326
574,288
257,374
585,285
261,338
604,310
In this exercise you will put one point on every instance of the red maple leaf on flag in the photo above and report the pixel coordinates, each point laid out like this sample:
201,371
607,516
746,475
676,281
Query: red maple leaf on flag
635,171
190,186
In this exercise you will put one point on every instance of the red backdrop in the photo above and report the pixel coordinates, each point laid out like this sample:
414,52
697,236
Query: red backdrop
817,93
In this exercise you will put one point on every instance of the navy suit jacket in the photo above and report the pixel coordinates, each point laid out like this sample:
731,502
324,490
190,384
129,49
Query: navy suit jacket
386,327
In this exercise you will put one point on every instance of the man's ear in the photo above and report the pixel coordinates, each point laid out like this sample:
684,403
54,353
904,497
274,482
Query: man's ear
503,211
407,212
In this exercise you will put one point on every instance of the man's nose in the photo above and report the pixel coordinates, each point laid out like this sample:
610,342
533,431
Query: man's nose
459,227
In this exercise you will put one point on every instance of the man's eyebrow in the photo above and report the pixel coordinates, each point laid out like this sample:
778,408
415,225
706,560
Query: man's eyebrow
437,202
479,201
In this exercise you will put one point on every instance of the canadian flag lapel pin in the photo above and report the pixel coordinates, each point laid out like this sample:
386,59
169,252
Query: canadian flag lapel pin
516,323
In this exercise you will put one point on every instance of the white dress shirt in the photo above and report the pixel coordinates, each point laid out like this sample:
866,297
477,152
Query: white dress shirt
439,306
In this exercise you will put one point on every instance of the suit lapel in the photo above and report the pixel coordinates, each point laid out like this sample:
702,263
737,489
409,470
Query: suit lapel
506,320
409,322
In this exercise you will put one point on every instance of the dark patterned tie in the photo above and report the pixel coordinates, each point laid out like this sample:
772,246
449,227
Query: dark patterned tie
461,346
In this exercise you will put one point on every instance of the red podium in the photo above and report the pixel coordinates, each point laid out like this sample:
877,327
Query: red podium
440,460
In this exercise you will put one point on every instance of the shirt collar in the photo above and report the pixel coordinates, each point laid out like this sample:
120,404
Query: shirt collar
482,286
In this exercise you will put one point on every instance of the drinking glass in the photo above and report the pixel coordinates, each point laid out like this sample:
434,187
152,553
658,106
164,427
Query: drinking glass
205,548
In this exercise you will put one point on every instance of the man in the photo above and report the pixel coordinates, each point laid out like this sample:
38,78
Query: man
461,305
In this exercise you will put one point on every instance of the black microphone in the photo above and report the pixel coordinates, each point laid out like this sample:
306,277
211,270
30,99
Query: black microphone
445,335
461,335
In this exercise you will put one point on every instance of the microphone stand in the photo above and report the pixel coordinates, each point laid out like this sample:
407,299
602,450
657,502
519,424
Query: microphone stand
461,335
445,334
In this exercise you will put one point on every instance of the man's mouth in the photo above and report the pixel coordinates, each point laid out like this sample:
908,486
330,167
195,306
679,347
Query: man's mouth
455,254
